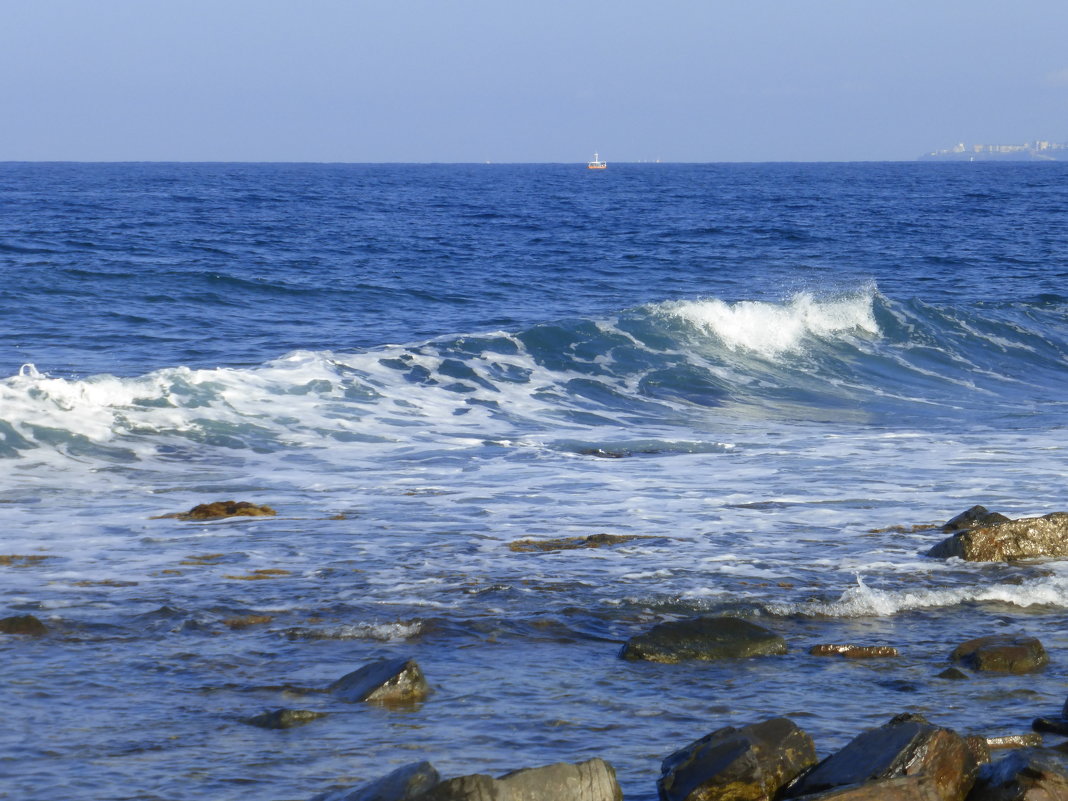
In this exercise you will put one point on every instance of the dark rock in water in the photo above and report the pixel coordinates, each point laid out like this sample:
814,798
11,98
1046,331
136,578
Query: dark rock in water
593,780
403,784
22,624
976,516
754,762
391,681
907,746
703,638
953,673
284,718
1026,538
221,509
904,788
1002,653
854,651
1021,776
1051,726
572,543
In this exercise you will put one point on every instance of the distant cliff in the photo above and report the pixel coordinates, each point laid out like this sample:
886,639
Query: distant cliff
1029,151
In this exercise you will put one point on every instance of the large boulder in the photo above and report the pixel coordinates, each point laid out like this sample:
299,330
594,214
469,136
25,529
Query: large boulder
592,780
907,746
1026,538
976,516
1002,653
1022,776
703,638
390,681
903,788
747,764
404,784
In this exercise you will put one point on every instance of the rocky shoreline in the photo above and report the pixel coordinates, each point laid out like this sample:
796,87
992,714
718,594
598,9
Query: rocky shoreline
908,758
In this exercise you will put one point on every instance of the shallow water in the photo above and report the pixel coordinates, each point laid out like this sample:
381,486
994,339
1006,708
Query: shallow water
751,368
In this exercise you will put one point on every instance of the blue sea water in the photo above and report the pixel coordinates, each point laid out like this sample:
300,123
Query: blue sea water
765,373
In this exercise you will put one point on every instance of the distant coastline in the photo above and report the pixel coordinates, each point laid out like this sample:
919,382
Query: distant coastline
1038,150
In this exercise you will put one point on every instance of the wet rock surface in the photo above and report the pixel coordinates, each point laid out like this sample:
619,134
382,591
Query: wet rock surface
907,746
854,651
390,681
976,516
1002,653
754,762
1025,538
284,718
703,638
592,780
221,509
404,784
571,543
22,624
1022,776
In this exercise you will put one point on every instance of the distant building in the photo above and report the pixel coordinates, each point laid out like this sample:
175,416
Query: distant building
1039,150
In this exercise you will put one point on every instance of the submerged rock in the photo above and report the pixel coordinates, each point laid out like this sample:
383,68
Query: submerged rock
22,624
1026,538
938,760
1051,726
703,638
391,681
404,784
754,762
954,673
1021,776
976,516
284,718
592,780
1002,653
221,509
854,651
572,543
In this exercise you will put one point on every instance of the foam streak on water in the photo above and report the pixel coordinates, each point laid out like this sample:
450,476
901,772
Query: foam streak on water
777,380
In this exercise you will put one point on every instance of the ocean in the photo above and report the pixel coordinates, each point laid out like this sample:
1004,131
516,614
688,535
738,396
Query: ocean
766,374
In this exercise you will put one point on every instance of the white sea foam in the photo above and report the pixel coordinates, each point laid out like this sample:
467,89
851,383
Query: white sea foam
865,601
771,329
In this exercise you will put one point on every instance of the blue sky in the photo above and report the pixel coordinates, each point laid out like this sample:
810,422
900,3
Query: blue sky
502,81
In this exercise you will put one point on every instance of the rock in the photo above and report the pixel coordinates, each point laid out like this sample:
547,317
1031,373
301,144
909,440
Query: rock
221,509
284,718
592,780
1021,776
854,651
403,784
703,638
1059,726
953,673
904,788
1002,653
1014,741
907,746
976,516
754,762
572,543
1026,538
391,681
22,624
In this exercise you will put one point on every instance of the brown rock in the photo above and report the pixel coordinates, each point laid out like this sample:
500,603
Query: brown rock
391,681
907,746
1014,741
221,509
703,638
1022,776
406,783
854,651
904,788
747,764
593,780
1002,653
1026,538
572,543
22,624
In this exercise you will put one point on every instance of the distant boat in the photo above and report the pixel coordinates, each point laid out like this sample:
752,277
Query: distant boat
597,164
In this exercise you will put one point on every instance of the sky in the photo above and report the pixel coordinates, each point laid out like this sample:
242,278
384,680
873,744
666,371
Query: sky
526,80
